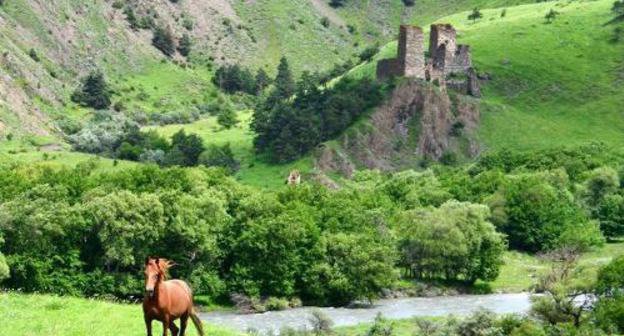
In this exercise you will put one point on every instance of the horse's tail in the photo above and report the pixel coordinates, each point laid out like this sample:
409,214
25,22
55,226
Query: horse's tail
197,322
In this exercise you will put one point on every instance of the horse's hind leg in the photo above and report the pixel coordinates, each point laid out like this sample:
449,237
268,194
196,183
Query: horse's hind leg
174,329
183,322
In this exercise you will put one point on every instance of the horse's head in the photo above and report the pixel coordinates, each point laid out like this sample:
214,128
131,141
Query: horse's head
155,271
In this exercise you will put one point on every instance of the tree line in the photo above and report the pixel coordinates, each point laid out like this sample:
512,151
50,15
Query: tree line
84,232
297,116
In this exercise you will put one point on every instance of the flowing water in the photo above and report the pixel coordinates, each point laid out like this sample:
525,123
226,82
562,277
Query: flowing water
299,318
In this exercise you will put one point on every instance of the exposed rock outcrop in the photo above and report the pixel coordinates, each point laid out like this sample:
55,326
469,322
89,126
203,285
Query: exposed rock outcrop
418,121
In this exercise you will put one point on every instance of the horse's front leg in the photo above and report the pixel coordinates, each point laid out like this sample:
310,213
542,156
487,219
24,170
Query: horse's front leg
166,321
148,325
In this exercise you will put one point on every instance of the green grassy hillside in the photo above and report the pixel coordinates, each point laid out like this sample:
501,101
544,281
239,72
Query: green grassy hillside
552,84
373,19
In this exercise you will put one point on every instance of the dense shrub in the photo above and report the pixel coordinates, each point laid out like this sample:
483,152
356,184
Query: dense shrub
185,45
163,40
227,118
336,3
220,156
185,149
174,117
368,53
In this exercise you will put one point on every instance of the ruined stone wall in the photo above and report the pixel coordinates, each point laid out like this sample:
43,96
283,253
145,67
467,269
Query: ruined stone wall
411,52
462,61
442,35
387,68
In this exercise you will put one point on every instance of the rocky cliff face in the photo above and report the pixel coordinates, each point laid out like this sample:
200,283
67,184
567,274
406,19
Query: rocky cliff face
418,121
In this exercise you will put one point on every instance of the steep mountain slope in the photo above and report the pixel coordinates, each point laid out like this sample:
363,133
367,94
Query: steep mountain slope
45,46
551,84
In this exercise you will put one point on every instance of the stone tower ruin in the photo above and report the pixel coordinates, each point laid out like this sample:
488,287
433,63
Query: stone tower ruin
410,61
446,58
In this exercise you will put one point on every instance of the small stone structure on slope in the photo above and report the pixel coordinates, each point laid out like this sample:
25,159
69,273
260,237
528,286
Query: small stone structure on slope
449,64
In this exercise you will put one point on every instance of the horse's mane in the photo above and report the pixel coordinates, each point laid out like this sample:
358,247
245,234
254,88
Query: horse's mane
163,266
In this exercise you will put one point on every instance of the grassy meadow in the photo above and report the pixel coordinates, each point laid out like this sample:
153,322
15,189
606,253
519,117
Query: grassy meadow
521,271
47,315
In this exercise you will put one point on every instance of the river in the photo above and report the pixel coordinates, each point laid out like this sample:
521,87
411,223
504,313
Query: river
299,318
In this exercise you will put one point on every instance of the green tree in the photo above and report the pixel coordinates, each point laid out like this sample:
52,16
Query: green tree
609,311
325,22
288,238
475,15
4,268
284,82
93,92
233,78
33,54
368,53
128,227
600,182
610,213
262,80
355,266
163,40
564,300
193,224
129,152
538,214
185,148
453,242
220,156
41,231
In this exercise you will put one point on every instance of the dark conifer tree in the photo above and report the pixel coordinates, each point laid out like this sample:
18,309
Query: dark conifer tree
284,82
93,92
262,80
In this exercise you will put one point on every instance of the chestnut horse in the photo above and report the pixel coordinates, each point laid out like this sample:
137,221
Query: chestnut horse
167,300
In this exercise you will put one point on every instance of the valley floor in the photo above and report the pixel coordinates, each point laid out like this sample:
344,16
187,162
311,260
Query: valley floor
36,314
